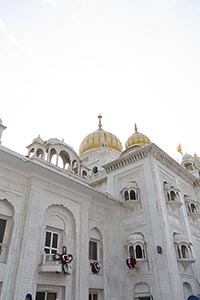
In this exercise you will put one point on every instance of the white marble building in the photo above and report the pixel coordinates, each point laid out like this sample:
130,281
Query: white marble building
107,224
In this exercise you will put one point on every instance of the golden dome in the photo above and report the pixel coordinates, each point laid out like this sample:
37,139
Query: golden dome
137,140
98,139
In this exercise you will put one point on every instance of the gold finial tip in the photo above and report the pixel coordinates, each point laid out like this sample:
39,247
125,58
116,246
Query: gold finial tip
136,129
100,125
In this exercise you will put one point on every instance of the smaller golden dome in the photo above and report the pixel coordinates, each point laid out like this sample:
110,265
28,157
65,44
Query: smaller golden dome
99,139
137,140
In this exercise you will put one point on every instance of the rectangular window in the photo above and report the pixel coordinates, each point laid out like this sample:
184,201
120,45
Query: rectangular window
46,296
93,250
93,296
144,298
51,242
2,229
0,288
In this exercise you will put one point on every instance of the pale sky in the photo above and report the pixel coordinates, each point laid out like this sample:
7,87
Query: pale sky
62,62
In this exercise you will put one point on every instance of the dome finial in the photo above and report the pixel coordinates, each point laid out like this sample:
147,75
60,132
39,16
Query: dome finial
137,139
100,125
136,129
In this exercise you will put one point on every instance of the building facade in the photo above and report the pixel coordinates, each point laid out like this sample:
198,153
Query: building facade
104,224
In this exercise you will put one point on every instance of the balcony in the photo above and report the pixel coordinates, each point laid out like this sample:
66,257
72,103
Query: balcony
49,264
99,176
174,204
186,262
132,204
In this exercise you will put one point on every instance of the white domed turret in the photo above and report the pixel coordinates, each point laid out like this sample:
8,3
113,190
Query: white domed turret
37,148
57,153
38,140
191,163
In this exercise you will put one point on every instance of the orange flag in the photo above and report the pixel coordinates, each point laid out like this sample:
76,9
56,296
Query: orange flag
179,149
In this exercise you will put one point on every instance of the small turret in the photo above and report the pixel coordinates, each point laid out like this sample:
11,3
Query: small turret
2,128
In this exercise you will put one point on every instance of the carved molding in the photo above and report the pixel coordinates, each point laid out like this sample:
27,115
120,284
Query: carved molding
154,151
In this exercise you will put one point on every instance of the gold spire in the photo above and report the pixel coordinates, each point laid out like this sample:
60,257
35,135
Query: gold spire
100,125
136,129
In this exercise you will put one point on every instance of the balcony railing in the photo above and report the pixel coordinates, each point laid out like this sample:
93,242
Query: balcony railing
97,176
49,264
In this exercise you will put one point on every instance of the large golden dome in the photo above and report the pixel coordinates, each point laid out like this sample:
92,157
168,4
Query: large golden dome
99,139
137,139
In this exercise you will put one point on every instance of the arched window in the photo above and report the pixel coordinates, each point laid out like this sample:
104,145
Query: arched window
131,251
53,157
84,174
54,236
40,153
75,167
95,170
193,208
126,196
179,252
64,160
131,191
132,195
136,246
95,251
138,251
187,289
58,236
184,252
95,245
172,195
31,153
168,197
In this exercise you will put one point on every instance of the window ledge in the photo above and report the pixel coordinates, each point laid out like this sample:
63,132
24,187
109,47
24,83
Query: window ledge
174,204
132,204
186,261
194,215
51,268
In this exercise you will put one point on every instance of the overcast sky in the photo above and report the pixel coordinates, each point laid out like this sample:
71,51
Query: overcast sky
62,62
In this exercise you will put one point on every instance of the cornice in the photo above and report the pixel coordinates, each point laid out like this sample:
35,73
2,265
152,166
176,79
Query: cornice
154,151
171,164
127,159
